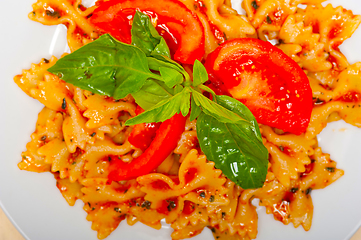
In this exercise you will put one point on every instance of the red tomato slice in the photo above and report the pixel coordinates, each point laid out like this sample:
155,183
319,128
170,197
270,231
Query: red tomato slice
179,26
266,80
164,142
143,134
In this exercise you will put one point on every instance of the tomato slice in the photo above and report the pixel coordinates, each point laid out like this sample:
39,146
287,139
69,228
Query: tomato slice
143,134
266,80
164,142
179,26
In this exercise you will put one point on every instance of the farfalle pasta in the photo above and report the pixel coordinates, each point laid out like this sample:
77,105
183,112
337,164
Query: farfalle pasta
78,132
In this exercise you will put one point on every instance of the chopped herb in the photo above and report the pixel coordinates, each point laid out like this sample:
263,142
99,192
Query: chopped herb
254,5
73,163
43,138
223,214
225,36
213,230
45,60
93,134
93,208
308,191
171,205
269,21
146,204
211,199
117,210
281,148
89,204
52,13
202,194
293,190
330,169
63,105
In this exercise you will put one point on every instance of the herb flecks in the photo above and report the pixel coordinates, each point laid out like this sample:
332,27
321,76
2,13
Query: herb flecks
254,5
63,105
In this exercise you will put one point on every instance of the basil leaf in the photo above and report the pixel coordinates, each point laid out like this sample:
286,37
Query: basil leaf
161,49
207,89
171,77
178,89
105,66
186,103
213,109
195,110
236,148
152,92
200,74
240,109
146,37
157,61
164,109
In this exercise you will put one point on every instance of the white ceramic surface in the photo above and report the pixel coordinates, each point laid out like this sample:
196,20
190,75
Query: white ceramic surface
35,205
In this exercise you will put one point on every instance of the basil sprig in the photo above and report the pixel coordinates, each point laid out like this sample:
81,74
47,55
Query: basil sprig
227,131
235,148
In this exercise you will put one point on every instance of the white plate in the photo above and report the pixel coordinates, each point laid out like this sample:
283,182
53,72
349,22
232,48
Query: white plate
35,205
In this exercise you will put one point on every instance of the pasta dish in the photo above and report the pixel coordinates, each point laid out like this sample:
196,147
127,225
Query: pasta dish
183,110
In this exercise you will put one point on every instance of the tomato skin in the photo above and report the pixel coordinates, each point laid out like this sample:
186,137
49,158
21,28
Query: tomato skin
266,80
163,144
180,27
143,134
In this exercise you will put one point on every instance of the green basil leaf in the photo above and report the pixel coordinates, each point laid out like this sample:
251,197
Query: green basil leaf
215,110
146,37
200,74
195,110
161,49
207,89
178,89
157,61
163,110
171,77
152,92
105,66
236,148
186,103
